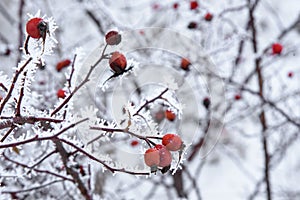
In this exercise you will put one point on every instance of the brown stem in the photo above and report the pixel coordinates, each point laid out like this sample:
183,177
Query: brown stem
65,158
21,95
145,138
20,27
262,117
36,170
87,79
7,133
10,121
111,169
72,71
36,138
12,86
33,188
150,101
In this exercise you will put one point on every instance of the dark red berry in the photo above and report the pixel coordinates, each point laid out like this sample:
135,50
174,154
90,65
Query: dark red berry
194,5
277,48
208,17
118,62
192,25
155,6
237,97
113,38
175,6
185,63
134,143
206,102
62,64
61,93
290,74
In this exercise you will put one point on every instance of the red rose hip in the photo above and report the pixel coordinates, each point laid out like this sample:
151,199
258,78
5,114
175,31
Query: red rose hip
170,115
237,97
118,62
62,64
134,143
61,93
36,28
172,142
185,63
194,5
208,17
165,157
175,6
277,48
151,157
113,38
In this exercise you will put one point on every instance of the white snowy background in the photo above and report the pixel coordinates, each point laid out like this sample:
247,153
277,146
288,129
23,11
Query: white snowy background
232,163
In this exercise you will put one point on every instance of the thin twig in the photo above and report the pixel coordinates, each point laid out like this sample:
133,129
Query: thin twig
33,188
21,95
111,169
87,78
72,71
36,138
262,117
12,86
36,170
7,133
150,101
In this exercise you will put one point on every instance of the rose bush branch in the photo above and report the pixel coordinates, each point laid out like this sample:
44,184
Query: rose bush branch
36,138
112,130
12,86
36,170
86,79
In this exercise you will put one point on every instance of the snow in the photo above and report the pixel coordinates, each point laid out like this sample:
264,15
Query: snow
231,161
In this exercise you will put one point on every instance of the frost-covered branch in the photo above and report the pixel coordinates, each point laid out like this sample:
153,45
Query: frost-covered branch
12,86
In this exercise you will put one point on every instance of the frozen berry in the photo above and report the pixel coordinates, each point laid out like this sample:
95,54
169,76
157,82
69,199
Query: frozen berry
175,6
290,74
185,63
155,6
134,143
165,157
194,5
113,38
170,115
118,62
36,28
7,52
61,93
277,48
172,142
62,64
159,116
208,17
151,157
206,102
192,25
237,97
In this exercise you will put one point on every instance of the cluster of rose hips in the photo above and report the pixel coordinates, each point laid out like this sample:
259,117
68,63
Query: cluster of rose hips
160,155
117,61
